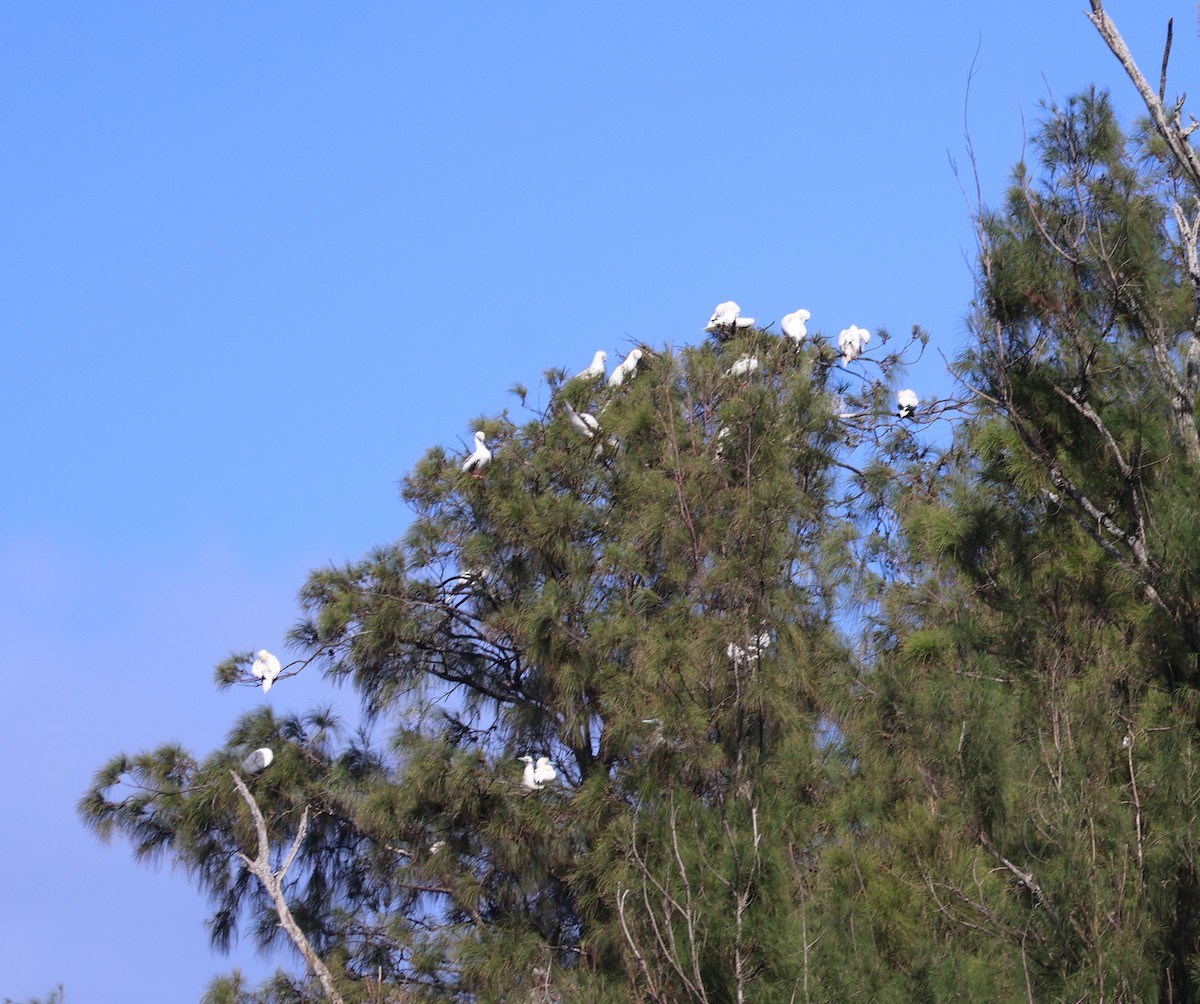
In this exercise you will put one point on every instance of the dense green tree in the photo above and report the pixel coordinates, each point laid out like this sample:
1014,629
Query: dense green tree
835,715
652,606
1026,756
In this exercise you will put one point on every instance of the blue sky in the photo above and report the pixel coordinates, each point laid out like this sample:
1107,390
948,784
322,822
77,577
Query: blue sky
257,258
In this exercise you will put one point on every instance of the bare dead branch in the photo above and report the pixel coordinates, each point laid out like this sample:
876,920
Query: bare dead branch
272,882
1162,79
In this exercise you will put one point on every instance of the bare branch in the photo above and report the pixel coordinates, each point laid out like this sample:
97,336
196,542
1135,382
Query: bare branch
1162,80
1185,155
272,883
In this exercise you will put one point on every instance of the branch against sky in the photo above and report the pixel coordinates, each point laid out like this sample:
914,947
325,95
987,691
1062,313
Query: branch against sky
272,883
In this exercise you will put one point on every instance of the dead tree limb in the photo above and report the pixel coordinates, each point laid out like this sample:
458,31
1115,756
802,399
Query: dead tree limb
272,882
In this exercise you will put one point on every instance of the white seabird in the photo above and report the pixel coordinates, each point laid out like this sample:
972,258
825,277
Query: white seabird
906,403
543,771
266,668
596,369
726,319
794,326
722,434
583,423
258,761
743,367
537,776
626,370
477,461
758,643
851,341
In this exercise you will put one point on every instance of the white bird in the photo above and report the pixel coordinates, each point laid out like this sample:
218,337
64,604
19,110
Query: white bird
726,319
596,369
583,423
537,776
436,846
266,667
758,643
851,342
722,434
743,367
626,370
794,326
470,580
477,461
258,761
906,403
543,771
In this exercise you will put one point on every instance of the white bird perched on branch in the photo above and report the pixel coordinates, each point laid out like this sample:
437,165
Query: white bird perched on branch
626,370
266,668
477,461
721,436
794,326
743,367
469,580
726,319
758,643
596,369
258,761
536,776
851,342
583,423
906,403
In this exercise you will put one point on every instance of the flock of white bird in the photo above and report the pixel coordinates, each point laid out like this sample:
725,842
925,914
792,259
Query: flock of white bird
266,667
725,322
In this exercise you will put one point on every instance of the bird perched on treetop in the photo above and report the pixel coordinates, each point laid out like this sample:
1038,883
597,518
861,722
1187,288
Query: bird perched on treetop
794,326
626,370
596,369
583,423
258,761
726,319
851,341
477,461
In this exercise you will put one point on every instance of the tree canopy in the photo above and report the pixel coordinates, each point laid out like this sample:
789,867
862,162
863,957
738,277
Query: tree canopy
835,707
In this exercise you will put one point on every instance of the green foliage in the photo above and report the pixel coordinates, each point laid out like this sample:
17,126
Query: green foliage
836,715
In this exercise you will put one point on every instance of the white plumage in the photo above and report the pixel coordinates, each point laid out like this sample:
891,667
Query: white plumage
469,580
258,761
722,435
583,423
851,341
543,771
726,319
536,776
266,668
758,643
477,461
794,325
626,370
596,369
743,367
906,403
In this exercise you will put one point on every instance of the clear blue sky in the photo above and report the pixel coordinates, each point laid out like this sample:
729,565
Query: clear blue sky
257,257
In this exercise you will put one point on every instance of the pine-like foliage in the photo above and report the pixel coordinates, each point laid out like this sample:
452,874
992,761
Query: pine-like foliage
1026,818
653,608
835,716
